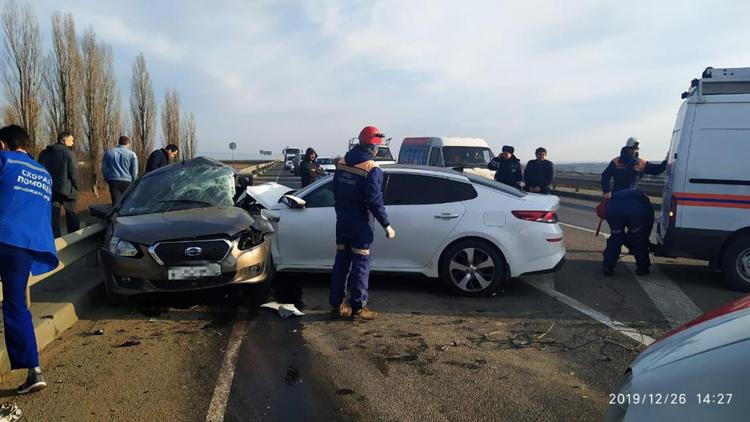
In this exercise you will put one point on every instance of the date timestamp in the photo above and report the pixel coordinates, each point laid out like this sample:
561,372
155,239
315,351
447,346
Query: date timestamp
670,399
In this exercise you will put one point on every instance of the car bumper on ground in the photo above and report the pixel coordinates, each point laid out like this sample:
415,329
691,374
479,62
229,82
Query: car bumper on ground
143,274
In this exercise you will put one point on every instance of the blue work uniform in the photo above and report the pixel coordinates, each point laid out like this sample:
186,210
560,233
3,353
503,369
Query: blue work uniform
358,193
26,246
630,217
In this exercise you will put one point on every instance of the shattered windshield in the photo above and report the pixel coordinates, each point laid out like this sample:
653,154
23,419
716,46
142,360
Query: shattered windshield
466,156
180,187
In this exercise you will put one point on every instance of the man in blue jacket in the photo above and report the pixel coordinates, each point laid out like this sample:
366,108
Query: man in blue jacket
120,168
26,246
358,194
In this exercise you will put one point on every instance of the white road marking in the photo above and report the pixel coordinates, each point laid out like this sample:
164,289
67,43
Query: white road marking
668,297
676,307
218,405
545,283
279,175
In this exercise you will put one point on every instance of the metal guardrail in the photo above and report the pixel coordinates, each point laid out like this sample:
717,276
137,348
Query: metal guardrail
259,168
71,248
651,187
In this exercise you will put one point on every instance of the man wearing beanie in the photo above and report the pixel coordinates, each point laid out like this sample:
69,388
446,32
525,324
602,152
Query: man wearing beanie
508,168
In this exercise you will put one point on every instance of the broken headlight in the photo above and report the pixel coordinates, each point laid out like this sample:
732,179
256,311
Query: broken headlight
119,247
249,239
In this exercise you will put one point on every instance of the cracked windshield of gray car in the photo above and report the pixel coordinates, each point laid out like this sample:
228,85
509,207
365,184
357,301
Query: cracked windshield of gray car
181,187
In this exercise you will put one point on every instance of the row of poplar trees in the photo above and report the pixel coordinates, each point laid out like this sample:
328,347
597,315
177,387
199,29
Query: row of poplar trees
73,87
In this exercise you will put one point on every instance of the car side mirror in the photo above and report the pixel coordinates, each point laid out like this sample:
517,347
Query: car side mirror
100,211
293,202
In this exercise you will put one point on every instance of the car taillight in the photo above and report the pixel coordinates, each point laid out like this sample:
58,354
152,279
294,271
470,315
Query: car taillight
537,216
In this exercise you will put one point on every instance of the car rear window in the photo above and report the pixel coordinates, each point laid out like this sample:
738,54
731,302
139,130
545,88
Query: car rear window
489,183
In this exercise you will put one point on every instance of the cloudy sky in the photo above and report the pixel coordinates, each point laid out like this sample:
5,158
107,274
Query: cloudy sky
576,77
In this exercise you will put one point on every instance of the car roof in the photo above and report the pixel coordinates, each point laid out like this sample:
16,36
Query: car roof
434,171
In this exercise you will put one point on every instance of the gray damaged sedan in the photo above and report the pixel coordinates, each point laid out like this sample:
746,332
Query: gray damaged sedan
181,228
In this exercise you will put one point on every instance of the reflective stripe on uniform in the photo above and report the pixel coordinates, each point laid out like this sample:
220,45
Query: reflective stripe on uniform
340,247
365,252
361,169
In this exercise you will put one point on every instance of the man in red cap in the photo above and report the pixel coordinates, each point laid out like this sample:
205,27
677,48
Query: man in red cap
357,190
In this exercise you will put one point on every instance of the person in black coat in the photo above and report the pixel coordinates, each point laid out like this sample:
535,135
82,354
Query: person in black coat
539,173
61,163
508,168
161,157
309,169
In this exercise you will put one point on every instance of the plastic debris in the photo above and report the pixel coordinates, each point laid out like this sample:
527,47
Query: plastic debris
285,310
9,412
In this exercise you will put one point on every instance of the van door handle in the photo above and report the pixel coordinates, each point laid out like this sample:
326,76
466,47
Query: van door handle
446,216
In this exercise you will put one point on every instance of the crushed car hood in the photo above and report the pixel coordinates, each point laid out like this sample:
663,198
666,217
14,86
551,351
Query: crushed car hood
268,194
148,229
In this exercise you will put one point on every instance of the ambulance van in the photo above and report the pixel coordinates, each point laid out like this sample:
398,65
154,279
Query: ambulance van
706,208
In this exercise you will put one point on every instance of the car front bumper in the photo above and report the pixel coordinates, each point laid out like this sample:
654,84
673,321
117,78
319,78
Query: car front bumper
134,275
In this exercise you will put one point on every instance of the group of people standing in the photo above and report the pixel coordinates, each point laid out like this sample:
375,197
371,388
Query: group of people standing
33,191
537,178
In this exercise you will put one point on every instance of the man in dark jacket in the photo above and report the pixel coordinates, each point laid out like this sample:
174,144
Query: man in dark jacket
539,173
358,194
630,215
309,169
161,157
60,162
508,168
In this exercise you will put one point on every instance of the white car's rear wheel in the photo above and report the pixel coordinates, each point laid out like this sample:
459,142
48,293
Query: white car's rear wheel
472,268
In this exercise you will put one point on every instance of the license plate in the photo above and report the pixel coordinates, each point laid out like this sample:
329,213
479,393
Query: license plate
191,273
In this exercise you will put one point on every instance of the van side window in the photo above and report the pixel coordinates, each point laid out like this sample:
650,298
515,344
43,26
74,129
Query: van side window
436,157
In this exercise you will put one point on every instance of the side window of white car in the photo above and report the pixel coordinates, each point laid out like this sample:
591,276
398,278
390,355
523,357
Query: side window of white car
321,197
413,189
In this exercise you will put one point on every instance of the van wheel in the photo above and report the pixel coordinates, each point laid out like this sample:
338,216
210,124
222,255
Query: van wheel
736,264
472,268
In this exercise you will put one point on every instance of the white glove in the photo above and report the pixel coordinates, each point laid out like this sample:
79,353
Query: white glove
390,233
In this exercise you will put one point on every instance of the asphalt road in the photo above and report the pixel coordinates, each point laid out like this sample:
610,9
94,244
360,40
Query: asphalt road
535,351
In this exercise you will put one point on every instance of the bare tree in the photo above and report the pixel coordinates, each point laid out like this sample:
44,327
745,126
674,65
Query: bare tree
63,79
170,117
188,136
142,111
93,102
113,127
21,72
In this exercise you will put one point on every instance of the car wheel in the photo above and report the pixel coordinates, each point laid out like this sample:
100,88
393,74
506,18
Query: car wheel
113,297
472,268
736,264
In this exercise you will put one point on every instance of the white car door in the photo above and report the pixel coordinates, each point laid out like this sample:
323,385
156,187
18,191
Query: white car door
423,210
307,237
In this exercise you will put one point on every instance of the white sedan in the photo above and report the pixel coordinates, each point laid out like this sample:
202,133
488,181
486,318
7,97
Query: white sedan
471,232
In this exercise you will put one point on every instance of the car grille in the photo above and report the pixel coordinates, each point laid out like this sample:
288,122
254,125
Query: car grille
173,253
176,285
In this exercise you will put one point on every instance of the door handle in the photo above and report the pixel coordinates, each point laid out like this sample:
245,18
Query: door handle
446,216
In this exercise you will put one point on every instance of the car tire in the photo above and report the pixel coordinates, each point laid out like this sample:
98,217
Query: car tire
113,297
736,264
479,278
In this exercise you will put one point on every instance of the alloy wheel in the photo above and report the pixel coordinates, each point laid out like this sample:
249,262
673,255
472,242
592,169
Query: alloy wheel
472,269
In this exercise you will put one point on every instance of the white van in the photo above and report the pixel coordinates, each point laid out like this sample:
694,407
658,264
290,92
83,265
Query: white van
470,154
706,209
